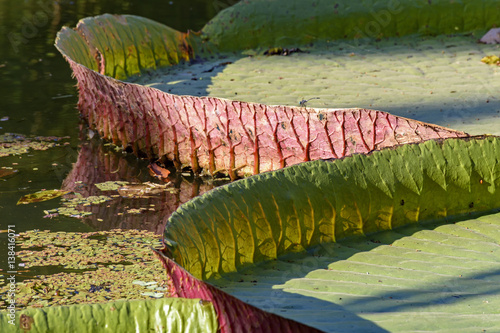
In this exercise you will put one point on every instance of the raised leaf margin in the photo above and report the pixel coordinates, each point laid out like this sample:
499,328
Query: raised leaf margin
268,215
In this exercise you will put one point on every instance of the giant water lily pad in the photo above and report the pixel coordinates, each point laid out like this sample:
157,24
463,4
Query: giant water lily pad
439,80
268,239
292,209
236,137
422,278
262,23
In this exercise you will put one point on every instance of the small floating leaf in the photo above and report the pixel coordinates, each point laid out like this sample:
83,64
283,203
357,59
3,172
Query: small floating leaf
7,172
41,196
139,282
152,294
158,172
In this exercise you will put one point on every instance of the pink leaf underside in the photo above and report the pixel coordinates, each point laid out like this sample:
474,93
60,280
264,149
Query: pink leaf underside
234,315
238,138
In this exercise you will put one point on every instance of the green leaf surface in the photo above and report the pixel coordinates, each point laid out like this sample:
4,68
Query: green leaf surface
311,205
163,315
121,46
425,278
292,209
74,46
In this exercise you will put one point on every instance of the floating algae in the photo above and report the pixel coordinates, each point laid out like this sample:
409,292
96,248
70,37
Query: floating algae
91,267
74,207
112,185
17,144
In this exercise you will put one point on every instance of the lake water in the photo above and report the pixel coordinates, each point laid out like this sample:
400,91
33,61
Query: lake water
38,98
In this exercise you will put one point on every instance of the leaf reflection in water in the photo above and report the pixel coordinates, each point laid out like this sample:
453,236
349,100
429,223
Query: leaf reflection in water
141,201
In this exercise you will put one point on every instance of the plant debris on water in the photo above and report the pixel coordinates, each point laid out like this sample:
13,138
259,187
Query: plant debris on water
158,172
88,268
16,144
134,190
7,171
143,190
491,60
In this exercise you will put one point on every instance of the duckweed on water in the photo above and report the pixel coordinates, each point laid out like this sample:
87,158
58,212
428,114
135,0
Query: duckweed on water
17,144
74,207
111,185
89,268
144,190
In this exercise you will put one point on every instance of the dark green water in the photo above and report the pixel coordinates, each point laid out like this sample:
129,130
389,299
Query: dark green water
39,97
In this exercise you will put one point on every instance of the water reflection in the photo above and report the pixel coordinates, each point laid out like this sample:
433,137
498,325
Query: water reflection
33,75
98,162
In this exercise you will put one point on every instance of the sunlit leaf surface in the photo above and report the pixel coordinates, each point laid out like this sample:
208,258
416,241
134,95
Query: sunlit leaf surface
164,315
270,239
